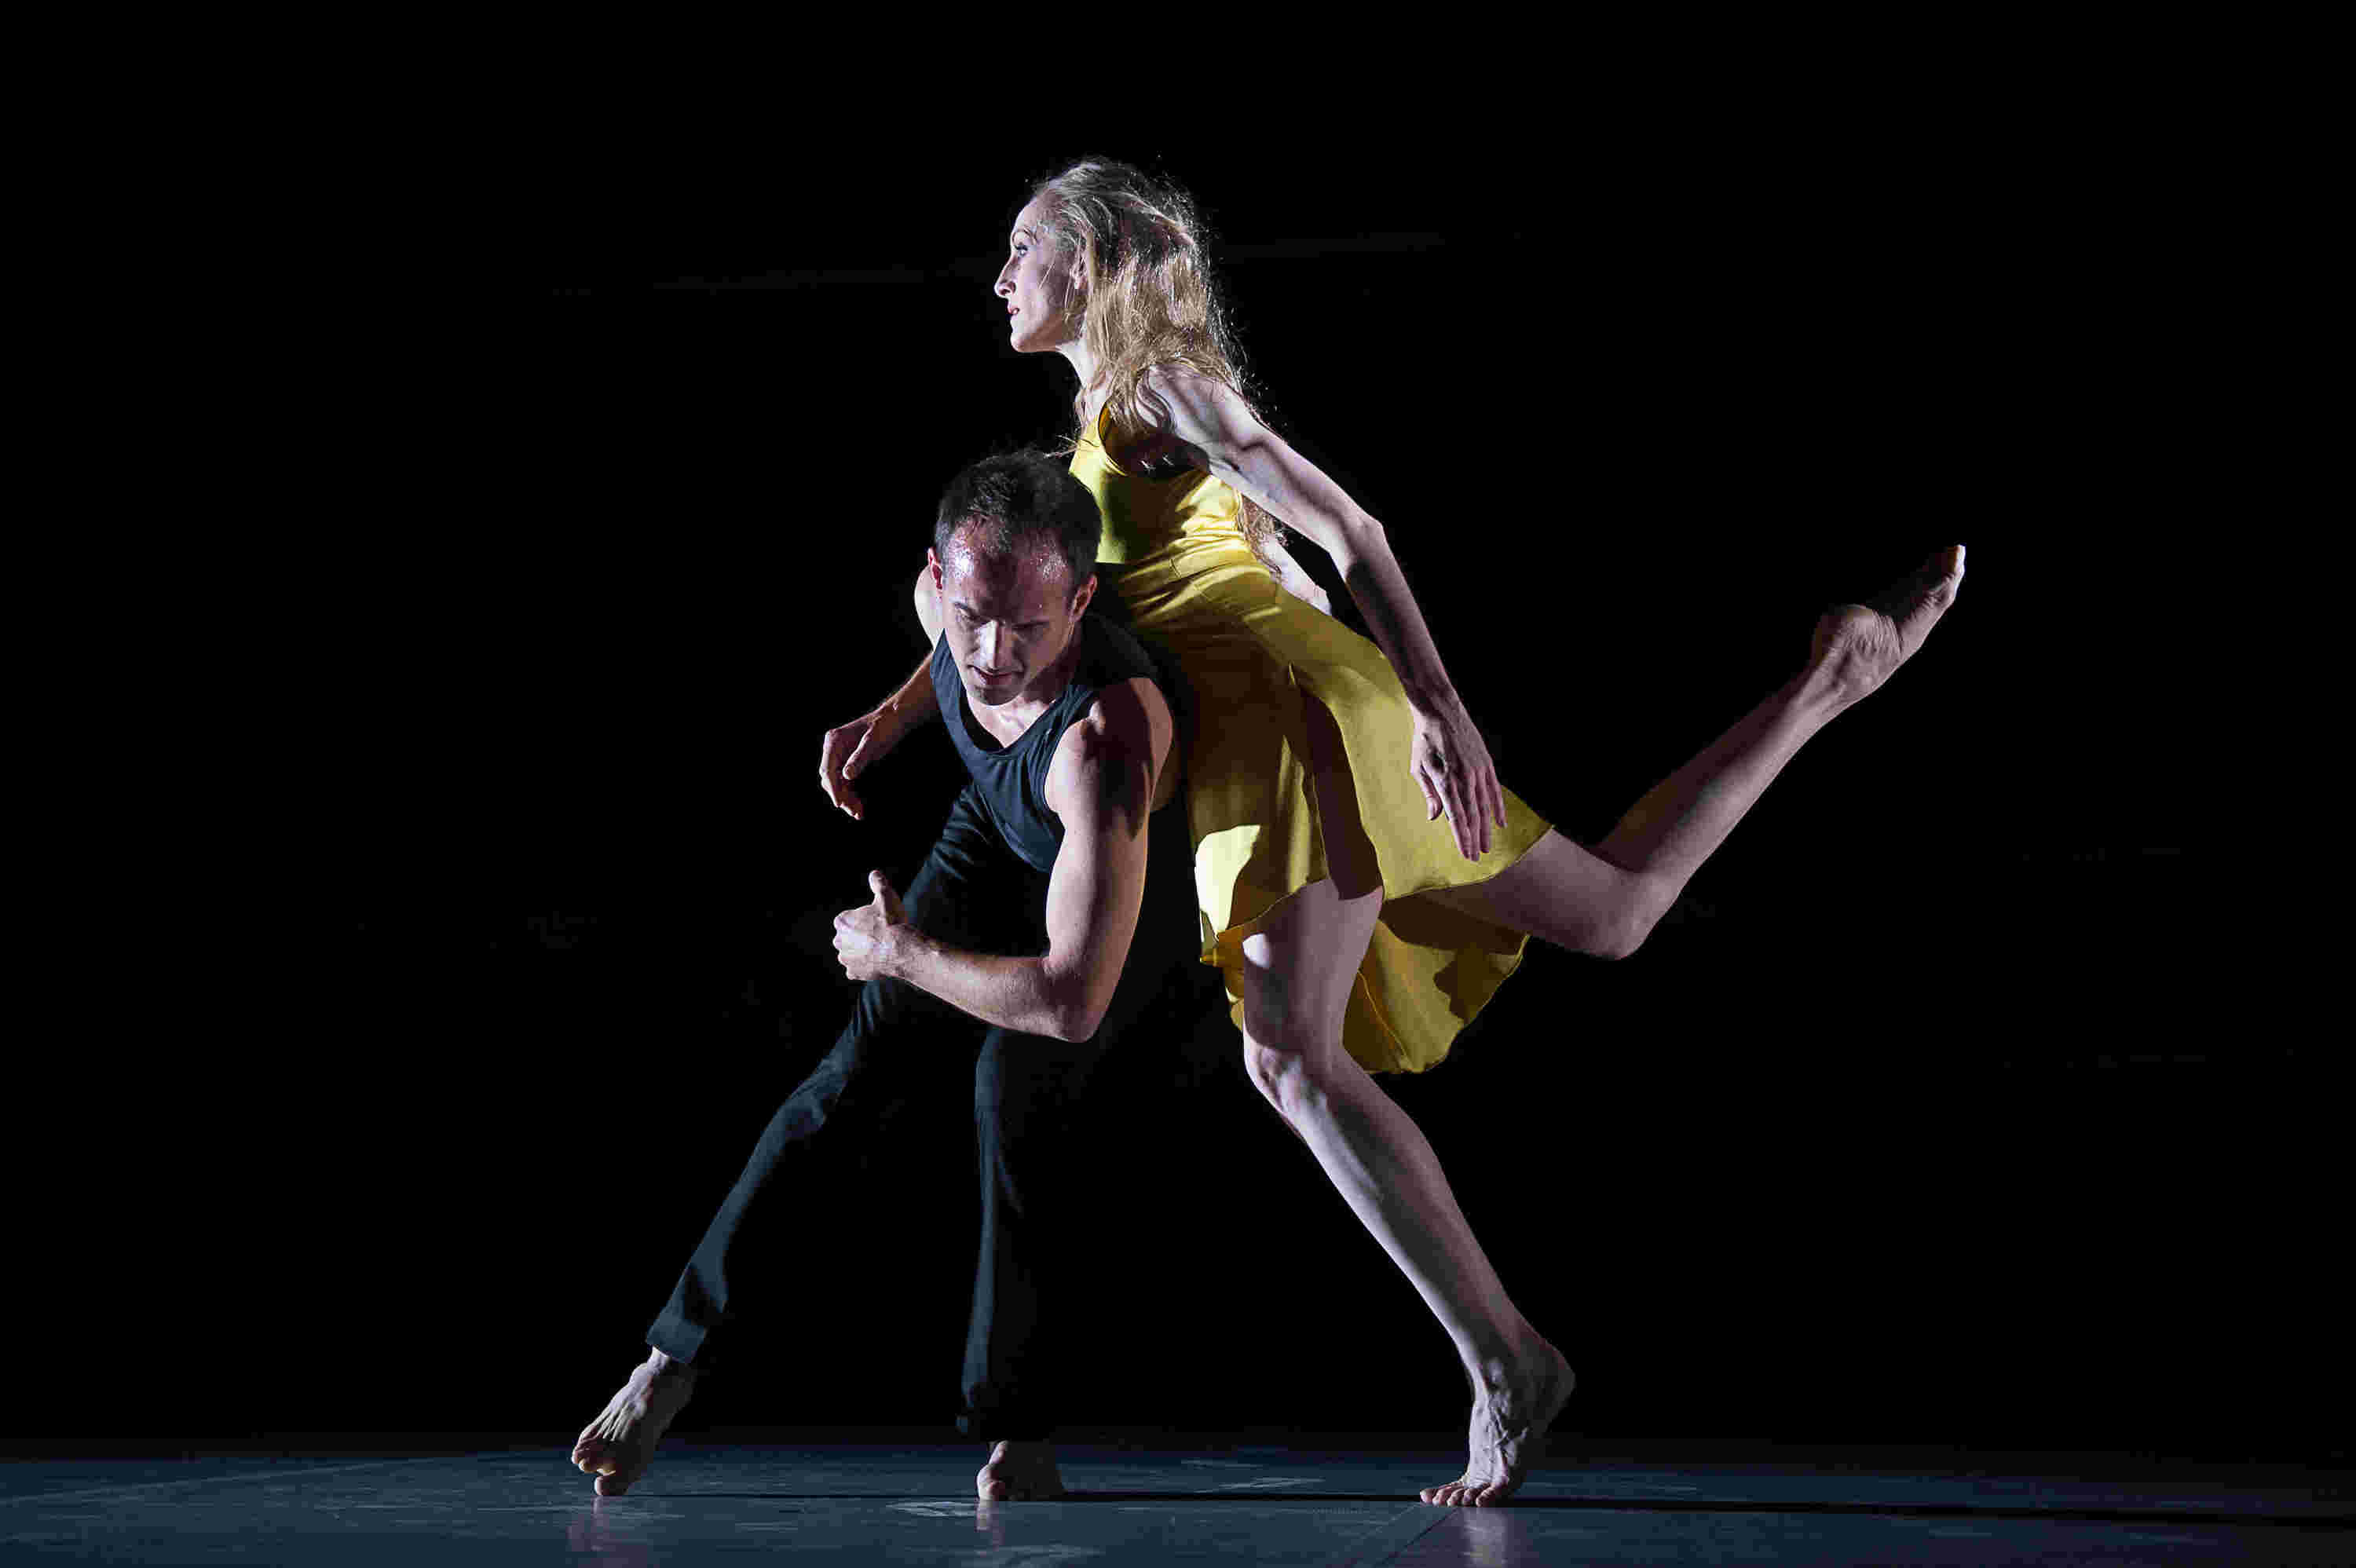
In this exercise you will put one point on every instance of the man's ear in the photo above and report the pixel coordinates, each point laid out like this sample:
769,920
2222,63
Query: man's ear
1082,594
933,561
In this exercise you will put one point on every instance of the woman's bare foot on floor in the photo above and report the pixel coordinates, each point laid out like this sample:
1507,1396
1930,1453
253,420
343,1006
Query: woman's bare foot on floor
1510,1416
618,1445
1020,1472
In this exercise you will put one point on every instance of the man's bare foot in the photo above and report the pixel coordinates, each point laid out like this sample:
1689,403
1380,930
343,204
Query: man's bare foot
1509,1417
1020,1472
1859,646
617,1446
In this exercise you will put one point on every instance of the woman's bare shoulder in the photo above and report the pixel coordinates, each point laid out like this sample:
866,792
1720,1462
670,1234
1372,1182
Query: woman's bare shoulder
1199,410
1185,386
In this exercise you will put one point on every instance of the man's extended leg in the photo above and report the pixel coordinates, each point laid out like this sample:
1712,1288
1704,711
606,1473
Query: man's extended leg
958,896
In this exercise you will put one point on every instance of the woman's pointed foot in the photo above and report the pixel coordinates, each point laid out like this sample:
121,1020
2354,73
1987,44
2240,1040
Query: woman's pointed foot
1859,646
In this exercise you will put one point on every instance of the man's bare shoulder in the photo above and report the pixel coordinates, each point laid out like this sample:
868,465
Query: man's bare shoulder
1114,754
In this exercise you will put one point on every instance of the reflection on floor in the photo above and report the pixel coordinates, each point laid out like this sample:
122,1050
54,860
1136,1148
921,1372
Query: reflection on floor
913,1503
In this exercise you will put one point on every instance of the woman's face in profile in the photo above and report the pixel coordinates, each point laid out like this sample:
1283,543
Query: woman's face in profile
1037,285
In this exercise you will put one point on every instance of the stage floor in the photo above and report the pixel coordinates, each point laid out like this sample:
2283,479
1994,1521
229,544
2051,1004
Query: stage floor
913,1503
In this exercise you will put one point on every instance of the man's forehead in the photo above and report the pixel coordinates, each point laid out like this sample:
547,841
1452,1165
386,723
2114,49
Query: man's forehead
1031,570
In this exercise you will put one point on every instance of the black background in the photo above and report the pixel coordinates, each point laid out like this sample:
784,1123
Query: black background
1927,1117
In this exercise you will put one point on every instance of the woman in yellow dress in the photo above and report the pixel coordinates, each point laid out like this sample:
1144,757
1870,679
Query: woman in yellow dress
1358,933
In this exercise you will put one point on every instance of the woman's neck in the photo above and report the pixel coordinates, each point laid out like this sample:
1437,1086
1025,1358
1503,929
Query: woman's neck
1084,365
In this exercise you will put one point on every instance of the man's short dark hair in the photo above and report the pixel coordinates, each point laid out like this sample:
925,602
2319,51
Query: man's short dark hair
1015,498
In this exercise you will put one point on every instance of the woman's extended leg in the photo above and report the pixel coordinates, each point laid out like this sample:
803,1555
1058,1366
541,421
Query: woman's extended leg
1606,900
1298,971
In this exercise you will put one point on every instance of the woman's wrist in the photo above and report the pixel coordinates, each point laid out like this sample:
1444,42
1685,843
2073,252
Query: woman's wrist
1434,699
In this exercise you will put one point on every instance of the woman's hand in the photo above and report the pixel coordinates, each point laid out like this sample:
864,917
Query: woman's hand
846,752
1451,763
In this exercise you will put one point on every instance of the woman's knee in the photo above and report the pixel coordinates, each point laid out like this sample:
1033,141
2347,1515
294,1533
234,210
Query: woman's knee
1567,895
1292,1076
1298,971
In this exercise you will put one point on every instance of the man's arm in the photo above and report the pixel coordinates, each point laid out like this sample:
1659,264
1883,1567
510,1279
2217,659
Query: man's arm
1101,785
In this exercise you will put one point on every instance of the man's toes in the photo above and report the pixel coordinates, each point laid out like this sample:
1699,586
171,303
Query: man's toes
614,1484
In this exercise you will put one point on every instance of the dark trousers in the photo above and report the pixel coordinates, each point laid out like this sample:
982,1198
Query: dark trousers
972,893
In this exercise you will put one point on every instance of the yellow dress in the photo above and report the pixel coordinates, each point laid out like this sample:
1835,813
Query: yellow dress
1248,648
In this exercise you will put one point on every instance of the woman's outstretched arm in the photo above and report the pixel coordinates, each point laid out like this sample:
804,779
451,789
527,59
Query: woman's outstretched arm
1451,762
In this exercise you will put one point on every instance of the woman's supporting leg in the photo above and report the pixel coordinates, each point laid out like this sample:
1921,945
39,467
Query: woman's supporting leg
1298,971
1299,967
1607,899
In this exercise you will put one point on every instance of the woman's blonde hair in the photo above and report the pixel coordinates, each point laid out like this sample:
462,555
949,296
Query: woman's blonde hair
1142,252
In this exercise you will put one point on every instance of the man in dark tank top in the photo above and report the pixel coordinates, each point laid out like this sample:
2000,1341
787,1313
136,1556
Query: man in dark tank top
1027,934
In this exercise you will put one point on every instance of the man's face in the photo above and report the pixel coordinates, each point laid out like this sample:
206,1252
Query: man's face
1006,619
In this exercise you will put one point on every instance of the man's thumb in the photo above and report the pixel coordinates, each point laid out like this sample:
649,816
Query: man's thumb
881,885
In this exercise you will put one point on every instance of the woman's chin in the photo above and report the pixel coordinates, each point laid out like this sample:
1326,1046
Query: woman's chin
1026,342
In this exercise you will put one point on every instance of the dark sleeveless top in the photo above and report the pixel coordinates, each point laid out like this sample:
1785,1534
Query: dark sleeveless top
1011,780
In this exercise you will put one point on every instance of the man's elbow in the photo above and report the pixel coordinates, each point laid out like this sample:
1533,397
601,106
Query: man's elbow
1078,1013
1079,1022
